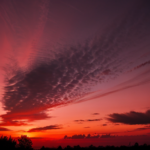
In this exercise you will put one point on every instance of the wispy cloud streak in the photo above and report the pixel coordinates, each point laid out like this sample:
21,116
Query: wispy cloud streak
4,129
88,120
51,127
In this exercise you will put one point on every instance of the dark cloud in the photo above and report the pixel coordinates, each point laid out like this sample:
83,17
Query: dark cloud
104,124
79,120
141,65
72,73
80,136
106,72
89,136
107,136
4,129
17,118
95,114
14,123
51,127
86,127
117,124
88,120
141,129
95,136
131,118
30,117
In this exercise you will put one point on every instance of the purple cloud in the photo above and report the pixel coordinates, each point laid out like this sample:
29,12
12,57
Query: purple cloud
131,118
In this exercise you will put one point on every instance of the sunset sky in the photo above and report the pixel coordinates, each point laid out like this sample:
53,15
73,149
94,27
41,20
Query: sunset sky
75,72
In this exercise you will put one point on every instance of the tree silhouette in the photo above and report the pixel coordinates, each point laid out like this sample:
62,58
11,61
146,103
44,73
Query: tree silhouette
25,143
7,143
136,144
77,147
59,148
42,148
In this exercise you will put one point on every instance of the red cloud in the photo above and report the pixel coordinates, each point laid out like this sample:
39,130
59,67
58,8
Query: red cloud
4,129
51,127
14,118
13,123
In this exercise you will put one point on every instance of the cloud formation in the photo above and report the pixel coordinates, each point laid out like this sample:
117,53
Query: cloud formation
104,124
80,136
95,114
51,127
107,136
73,71
130,118
88,120
86,127
141,65
14,123
89,136
141,129
16,118
4,129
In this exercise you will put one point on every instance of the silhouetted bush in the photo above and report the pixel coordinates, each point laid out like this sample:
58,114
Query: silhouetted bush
42,148
25,143
68,147
77,147
7,143
59,148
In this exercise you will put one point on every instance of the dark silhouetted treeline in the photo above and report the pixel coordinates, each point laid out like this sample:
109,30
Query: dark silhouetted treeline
136,146
7,143
25,143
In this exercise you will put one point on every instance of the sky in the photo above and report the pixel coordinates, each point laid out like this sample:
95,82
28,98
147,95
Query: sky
75,72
